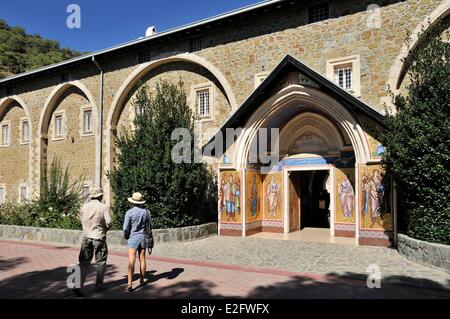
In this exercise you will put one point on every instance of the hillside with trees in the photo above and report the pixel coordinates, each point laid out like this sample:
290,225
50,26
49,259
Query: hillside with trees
21,52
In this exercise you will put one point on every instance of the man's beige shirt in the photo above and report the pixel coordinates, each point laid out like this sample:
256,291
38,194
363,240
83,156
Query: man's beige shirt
96,219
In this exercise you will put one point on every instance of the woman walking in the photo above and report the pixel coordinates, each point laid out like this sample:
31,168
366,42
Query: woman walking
137,229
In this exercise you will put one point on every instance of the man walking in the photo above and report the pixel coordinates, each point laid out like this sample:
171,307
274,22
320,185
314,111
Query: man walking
96,221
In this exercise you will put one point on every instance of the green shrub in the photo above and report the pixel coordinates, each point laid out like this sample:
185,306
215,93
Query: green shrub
417,140
57,206
15,214
177,194
59,201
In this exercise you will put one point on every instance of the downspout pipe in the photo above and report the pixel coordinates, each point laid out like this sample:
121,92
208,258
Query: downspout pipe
99,165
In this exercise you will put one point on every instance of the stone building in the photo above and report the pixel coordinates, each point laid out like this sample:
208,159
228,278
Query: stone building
319,71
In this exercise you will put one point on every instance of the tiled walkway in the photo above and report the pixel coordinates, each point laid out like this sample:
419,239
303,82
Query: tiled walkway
211,268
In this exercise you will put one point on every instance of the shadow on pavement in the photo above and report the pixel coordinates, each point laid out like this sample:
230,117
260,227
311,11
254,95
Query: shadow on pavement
7,264
52,284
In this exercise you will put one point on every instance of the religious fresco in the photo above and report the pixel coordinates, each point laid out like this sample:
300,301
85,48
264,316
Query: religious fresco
254,196
345,196
374,199
375,147
273,196
230,191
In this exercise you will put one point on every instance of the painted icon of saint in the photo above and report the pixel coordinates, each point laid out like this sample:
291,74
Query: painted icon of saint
347,196
221,197
373,196
273,196
376,189
237,194
365,194
230,192
254,198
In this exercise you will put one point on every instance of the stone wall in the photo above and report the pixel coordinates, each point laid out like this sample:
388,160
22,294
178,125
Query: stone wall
115,238
14,159
237,50
423,252
75,149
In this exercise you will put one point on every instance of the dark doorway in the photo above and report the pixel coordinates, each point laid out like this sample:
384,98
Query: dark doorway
314,199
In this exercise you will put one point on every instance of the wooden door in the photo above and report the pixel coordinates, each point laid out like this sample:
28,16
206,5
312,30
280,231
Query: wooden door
294,201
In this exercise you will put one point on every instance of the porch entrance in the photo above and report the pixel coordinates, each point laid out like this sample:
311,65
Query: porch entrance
309,200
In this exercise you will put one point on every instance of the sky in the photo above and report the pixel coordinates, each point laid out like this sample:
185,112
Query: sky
107,23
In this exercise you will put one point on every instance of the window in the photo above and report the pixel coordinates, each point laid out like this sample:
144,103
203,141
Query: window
203,102
2,195
145,56
319,12
343,76
6,139
88,126
25,136
23,193
345,72
196,44
59,129
86,193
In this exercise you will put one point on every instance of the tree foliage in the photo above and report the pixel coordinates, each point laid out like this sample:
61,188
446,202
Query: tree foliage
20,52
177,194
417,139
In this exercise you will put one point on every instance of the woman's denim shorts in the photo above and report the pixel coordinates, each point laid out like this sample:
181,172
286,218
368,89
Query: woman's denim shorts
135,242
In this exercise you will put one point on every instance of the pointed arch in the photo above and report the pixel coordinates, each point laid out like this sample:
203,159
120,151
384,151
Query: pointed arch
317,101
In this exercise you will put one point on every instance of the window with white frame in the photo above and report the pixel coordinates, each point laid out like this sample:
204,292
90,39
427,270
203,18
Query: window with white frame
346,73
25,130
59,125
23,196
88,123
86,193
202,102
6,132
2,195
343,76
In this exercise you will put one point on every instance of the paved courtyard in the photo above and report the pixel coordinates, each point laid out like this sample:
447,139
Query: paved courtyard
220,267
319,258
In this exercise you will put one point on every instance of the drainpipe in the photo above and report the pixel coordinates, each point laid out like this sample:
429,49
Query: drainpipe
98,176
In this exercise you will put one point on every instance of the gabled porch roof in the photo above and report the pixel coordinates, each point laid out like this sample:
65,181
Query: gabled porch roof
287,65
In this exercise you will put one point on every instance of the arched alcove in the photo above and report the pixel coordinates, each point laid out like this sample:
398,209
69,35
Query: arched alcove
323,115
76,148
18,154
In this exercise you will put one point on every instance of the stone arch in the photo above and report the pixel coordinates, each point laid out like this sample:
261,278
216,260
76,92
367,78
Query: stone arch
5,105
141,71
310,123
50,106
397,72
133,79
297,96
